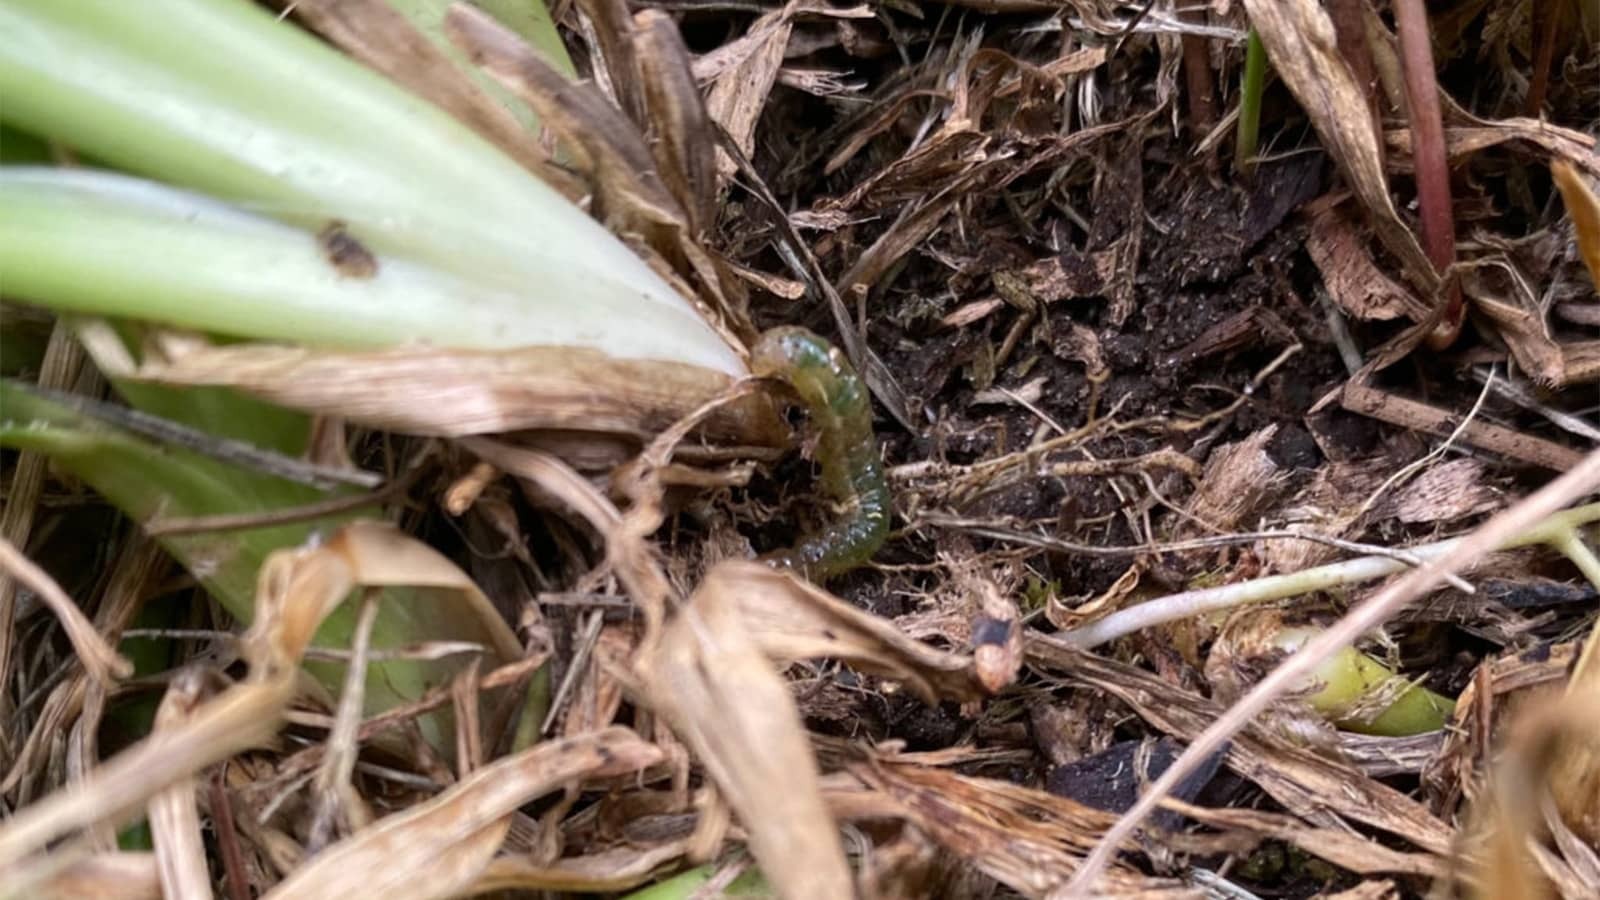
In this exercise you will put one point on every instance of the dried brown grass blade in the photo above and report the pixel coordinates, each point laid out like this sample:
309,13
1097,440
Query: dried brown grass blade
449,393
793,619
618,869
244,716
1339,846
106,876
1460,141
63,360
439,848
618,66
1023,838
635,562
102,663
1581,480
629,191
1304,51
678,116
710,678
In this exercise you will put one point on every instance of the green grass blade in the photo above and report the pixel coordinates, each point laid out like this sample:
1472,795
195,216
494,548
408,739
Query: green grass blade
1251,86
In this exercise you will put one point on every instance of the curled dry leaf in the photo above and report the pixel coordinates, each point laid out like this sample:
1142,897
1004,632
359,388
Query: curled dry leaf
739,93
792,619
1552,363
441,847
709,677
450,393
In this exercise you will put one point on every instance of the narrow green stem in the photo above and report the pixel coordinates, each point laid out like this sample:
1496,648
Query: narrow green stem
1250,90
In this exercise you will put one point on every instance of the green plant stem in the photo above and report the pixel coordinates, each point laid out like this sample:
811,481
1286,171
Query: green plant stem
1251,87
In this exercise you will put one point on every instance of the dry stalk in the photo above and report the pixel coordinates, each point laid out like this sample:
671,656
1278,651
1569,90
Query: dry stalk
174,819
337,803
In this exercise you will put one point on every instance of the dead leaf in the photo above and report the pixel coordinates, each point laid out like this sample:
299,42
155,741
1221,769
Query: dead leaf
1026,839
450,393
739,93
1353,280
711,679
1584,210
793,619
1239,479
1446,492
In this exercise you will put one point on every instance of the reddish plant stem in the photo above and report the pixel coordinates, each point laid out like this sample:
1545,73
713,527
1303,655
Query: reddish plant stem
1201,86
1351,32
233,867
1547,18
1428,158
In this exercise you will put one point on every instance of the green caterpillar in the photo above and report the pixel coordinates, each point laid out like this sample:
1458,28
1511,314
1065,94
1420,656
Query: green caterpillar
852,474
